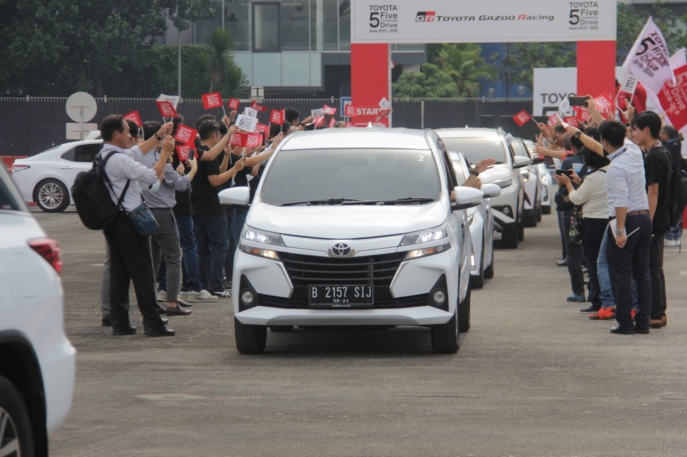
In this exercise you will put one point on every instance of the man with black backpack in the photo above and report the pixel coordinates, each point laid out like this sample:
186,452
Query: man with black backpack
130,251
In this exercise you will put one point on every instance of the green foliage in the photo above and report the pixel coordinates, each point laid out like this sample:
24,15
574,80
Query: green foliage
464,64
631,21
430,82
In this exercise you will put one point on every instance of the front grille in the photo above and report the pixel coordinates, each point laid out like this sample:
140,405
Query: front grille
377,270
383,300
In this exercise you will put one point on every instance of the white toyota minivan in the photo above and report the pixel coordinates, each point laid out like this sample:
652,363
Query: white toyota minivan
354,227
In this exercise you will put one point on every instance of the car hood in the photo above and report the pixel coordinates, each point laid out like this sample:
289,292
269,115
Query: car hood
497,173
346,222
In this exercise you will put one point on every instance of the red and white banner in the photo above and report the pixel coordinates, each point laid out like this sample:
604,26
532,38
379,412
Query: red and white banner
277,117
522,118
572,120
349,110
649,59
186,135
371,111
604,104
166,109
134,117
257,107
252,140
329,110
183,152
553,119
212,100
262,128
582,113
236,139
233,104
332,123
319,122
673,98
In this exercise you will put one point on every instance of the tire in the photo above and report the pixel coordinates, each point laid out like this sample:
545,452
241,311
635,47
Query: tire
546,209
509,239
521,231
445,337
51,196
530,220
464,313
250,339
15,417
281,328
489,271
539,212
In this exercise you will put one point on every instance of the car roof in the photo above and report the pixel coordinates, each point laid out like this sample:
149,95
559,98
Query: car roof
359,138
469,133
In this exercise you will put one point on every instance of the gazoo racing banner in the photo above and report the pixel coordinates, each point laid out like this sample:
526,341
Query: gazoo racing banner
484,21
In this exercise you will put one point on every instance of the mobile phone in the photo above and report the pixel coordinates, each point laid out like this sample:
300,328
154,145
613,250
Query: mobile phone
577,101
191,154
564,172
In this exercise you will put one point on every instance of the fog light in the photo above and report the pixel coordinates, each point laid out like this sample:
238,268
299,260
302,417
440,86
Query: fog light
439,297
506,210
247,297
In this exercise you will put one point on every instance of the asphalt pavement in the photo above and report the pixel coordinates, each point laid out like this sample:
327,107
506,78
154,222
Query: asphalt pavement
533,377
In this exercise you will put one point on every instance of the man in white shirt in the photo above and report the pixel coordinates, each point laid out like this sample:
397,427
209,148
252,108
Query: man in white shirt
130,255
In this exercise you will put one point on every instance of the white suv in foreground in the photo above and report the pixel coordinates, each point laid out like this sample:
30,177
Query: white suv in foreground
37,361
355,227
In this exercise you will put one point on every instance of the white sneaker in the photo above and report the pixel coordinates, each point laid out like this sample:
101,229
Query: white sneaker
223,294
162,295
202,296
670,242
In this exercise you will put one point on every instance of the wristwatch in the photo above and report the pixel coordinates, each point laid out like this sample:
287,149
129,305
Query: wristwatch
577,134
473,172
619,232
159,138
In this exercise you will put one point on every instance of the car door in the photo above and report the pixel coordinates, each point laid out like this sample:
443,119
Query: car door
77,159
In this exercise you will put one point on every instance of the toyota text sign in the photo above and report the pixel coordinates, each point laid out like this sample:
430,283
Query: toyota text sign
485,21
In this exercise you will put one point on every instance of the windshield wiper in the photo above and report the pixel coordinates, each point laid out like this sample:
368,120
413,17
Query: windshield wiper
408,201
329,201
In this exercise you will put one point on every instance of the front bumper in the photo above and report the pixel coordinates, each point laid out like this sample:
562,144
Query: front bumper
507,201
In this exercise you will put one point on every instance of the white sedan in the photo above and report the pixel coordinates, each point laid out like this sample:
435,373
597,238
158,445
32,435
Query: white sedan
47,177
481,221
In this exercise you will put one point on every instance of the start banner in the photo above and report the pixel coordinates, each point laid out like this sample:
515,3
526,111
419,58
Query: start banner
486,21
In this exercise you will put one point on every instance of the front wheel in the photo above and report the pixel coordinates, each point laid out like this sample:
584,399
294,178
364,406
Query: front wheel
445,337
546,209
16,437
477,282
509,238
51,196
489,271
521,231
250,339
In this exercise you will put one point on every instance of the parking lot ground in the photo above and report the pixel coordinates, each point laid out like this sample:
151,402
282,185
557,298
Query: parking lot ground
533,377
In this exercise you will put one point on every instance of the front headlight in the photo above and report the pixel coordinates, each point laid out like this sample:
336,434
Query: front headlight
502,183
417,253
425,236
261,236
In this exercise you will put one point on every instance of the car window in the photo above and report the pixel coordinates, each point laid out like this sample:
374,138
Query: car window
519,149
82,153
448,163
459,168
361,174
10,199
478,148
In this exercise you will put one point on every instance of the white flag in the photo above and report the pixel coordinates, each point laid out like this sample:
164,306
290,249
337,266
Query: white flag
629,84
564,109
649,60
678,59
173,99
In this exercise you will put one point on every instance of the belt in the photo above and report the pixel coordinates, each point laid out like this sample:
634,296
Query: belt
638,213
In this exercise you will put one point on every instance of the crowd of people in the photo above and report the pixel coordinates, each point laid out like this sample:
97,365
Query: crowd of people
617,208
189,257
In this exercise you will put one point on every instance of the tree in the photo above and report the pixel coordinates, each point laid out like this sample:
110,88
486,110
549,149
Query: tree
430,82
465,65
219,57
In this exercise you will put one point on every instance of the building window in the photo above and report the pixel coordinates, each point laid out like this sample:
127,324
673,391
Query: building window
266,27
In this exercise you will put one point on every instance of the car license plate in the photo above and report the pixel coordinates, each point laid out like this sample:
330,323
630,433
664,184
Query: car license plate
354,296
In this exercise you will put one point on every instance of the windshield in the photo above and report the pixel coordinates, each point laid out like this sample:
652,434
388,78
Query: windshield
519,149
368,175
476,149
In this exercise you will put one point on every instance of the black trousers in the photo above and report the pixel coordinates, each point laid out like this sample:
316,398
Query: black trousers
594,230
574,255
658,280
628,263
131,260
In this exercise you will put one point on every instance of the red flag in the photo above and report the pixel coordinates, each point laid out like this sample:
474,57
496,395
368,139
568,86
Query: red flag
319,121
233,104
571,120
332,123
135,117
258,107
183,152
252,140
276,117
329,110
603,103
522,118
385,112
349,110
212,100
166,109
262,128
673,98
237,139
553,119
582,113
186,135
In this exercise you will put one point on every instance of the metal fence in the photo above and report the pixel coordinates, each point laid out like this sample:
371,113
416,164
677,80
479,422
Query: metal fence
29,125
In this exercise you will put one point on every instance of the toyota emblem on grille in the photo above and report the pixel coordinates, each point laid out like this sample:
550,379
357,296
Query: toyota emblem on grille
341,250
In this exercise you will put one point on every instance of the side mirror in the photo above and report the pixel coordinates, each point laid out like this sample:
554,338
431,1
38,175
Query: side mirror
466,197
490,190
520,162
236,196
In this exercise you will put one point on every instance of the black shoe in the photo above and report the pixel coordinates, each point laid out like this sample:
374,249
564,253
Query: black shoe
618,330
562,262
164,321
124,331
178,311
106,321
182,303
591,309
641,331
161,309
164,331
